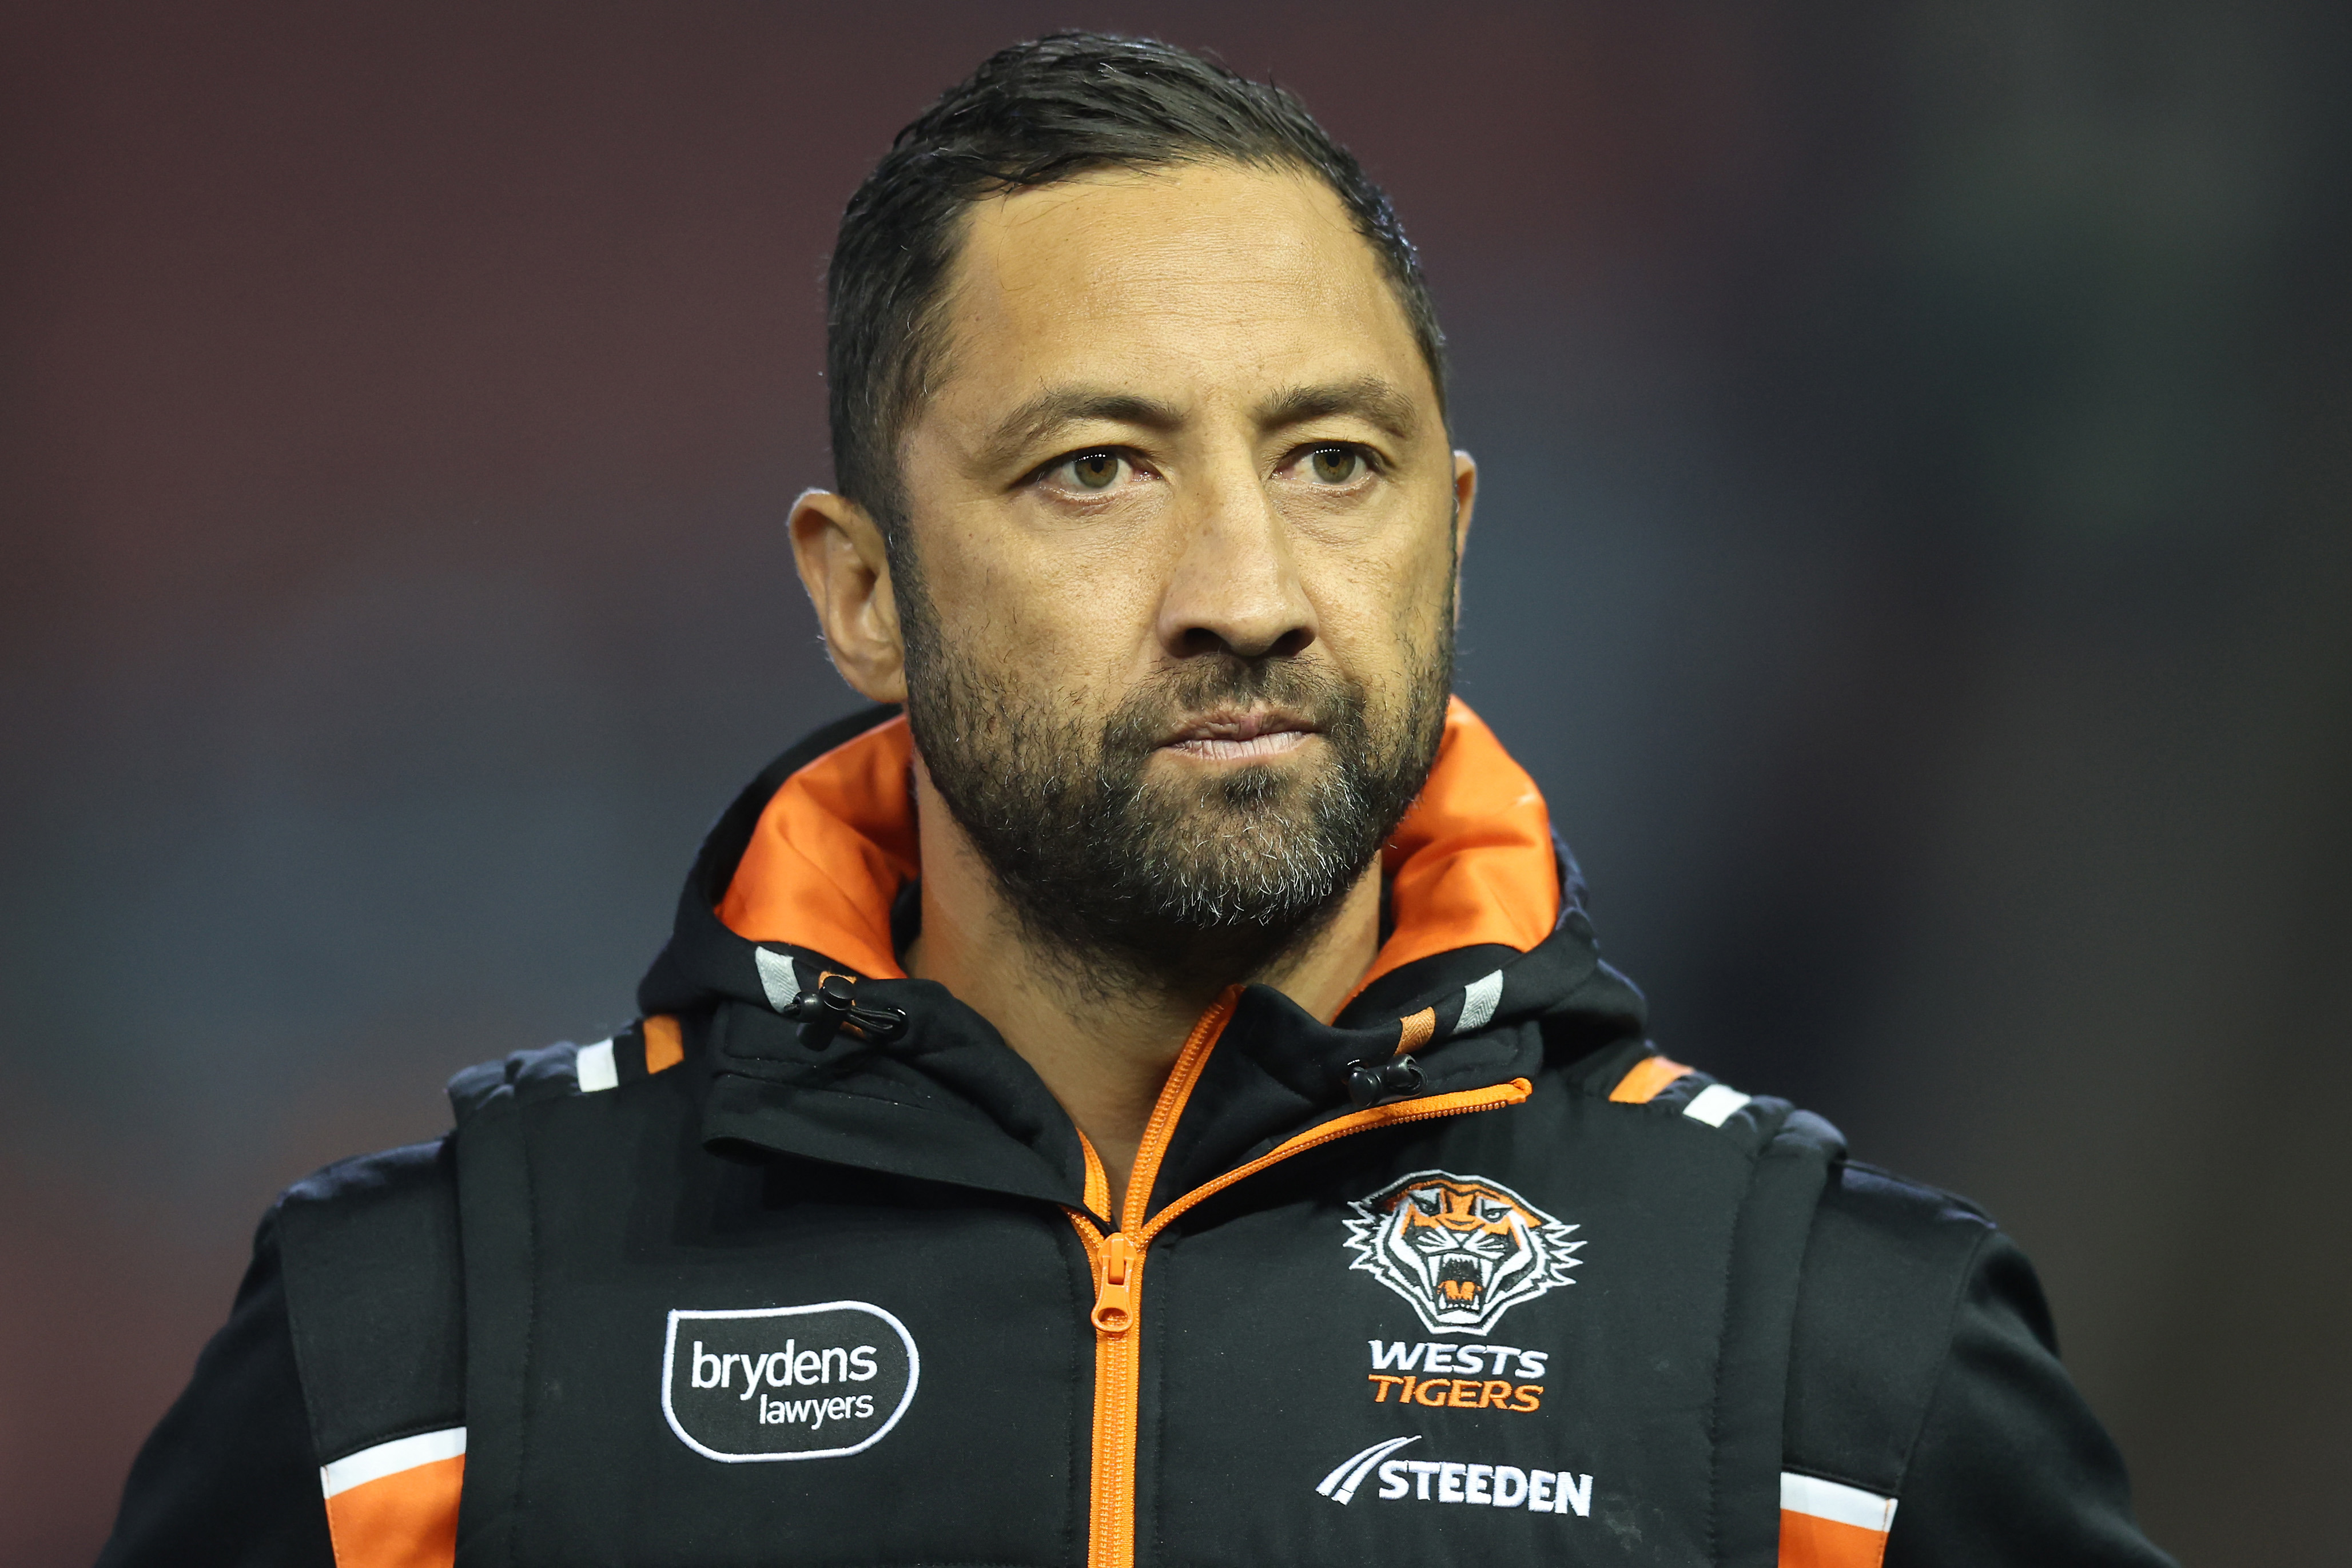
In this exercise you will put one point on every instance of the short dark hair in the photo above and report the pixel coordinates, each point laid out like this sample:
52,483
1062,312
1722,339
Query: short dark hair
1032,115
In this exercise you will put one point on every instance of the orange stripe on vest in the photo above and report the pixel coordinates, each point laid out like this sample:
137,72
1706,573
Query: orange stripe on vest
405,1520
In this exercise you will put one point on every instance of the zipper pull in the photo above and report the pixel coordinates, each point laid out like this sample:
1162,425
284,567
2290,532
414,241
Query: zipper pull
1114,1311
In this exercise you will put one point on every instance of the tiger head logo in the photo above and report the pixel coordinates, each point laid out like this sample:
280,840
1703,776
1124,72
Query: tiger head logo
1463,1251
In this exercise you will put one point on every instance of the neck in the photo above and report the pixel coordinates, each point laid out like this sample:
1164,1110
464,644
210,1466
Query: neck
1104,1051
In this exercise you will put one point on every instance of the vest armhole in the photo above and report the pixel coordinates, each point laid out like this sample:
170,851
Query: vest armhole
1883,1270
374,1302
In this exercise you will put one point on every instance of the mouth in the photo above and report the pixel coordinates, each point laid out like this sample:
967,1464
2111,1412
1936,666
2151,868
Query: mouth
1233,735
1460,1280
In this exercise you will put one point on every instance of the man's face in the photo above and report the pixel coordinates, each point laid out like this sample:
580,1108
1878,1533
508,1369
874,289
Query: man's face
1177,584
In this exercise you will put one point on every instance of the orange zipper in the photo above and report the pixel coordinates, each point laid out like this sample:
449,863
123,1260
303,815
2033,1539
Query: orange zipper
1117,1258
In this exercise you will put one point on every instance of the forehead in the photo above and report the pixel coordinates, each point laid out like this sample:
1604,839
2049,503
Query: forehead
1199,280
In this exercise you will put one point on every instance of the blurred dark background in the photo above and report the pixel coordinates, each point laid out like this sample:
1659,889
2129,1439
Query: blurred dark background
1914,557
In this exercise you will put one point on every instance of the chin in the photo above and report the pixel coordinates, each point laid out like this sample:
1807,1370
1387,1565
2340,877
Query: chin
1249,792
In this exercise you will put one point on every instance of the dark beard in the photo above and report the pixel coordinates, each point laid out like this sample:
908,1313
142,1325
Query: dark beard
1174,886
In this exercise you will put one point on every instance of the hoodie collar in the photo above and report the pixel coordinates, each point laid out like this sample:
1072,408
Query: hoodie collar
1472,865
801,874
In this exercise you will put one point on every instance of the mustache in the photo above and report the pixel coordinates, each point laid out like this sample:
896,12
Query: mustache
1165,701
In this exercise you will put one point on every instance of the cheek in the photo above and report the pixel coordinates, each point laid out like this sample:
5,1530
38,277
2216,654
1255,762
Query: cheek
1076,621
1382,610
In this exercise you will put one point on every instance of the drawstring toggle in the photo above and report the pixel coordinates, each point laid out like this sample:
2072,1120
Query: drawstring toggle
1369,1083
834,1005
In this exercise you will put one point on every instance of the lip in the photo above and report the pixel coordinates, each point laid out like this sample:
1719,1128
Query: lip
1239,734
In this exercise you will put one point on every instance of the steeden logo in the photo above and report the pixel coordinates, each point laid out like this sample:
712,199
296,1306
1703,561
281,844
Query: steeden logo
1463,1250
1538,1490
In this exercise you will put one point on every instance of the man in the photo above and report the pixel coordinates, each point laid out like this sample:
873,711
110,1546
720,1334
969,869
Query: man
1146,1091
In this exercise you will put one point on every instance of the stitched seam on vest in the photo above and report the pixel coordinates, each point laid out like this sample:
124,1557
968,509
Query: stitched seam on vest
1715,1378
295,1334
523,1412
1943,1360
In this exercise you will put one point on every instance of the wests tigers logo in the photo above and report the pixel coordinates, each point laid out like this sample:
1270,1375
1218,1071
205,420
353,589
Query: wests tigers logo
1463,1251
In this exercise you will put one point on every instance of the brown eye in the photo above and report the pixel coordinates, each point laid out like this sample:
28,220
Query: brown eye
1337,465
1095,471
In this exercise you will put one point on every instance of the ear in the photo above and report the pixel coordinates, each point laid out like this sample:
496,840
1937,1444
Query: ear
1465,497
843,564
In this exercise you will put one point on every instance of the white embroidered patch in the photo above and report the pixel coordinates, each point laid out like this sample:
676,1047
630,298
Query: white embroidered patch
777,977
1479,1000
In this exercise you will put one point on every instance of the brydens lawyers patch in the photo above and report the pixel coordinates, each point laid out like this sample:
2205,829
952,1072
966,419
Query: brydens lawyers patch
1463,1250
787,1382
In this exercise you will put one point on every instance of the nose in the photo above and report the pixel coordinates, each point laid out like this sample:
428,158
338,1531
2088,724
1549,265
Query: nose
1235,585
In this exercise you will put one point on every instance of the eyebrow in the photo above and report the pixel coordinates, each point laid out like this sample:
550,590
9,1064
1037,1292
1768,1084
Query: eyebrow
1056,406
1367,397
